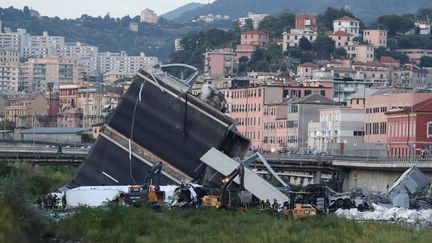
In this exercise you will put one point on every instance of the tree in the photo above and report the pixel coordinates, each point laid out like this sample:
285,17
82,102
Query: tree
248,25
414,41
276,25
425,61
340,52
325,20
323,47
7,125
396,24
304,44
242,67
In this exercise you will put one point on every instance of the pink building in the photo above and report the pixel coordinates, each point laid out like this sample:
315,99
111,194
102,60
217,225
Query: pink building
378,104
250,41
376,38
341,38
219,63
39,72
304,70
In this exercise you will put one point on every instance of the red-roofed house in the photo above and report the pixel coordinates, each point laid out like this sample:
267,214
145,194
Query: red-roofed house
250,41
341,38
304,70
390,61
347,24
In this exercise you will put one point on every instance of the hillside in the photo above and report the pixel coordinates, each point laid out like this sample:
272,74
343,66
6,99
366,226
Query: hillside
364,9
107,33
181,10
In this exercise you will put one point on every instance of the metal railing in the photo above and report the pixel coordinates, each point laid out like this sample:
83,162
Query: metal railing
38,148
356,158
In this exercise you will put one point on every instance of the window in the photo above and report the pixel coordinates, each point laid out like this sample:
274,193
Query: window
293,109
429,129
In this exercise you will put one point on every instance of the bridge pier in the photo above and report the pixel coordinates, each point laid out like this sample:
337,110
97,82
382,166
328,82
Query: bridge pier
317,177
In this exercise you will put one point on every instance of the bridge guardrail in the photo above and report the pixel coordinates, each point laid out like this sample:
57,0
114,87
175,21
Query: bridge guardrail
43,148
364,159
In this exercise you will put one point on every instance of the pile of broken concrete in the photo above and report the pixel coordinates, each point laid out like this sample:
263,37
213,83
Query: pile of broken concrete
408,201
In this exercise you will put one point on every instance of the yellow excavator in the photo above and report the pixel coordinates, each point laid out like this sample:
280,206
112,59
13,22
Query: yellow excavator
296,208
146,193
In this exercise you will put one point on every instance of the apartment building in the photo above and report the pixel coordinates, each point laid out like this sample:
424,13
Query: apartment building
341,38
347,24
9,70
376,38
360,52
339,128
219,62
414,55
292,39
39,72
250,41
410,129
255,18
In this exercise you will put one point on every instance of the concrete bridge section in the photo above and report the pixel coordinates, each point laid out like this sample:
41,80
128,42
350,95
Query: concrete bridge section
375,173
43,154
378,175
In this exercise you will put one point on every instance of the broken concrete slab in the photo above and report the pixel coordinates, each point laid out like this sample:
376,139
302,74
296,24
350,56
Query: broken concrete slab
409,185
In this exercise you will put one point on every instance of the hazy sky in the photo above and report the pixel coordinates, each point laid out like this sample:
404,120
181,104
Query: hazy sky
116,8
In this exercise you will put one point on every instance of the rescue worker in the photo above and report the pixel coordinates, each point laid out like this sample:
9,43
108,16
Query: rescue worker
262,205
267,204
275,205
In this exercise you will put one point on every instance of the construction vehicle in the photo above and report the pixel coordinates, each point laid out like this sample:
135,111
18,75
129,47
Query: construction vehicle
297,208
146,193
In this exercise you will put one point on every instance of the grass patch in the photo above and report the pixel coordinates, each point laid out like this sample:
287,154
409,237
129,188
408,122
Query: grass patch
129,224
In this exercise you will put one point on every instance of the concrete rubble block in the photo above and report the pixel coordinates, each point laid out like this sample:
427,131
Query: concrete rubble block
410,184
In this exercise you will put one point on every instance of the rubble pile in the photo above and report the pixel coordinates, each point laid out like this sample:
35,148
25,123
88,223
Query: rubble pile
411,217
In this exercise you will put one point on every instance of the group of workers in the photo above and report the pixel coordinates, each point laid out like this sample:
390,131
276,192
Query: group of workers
269,207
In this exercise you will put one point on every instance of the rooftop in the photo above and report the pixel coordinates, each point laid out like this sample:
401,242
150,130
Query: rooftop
255,31
307,64
346,18
388,59
341,33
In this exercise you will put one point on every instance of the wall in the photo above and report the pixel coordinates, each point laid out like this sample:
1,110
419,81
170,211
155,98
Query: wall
375,180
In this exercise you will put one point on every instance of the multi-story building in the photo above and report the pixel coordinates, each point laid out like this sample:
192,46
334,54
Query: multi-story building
32,110
122,63
39,72
376,106
376,38
338,127
255,18
148,16
42,46
292,39
68,96
219,62
305,70
409,131
306,21
360,52
246,105
424,26
300,112
341,38
416,54
347,24
86,54
250,41
9,70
